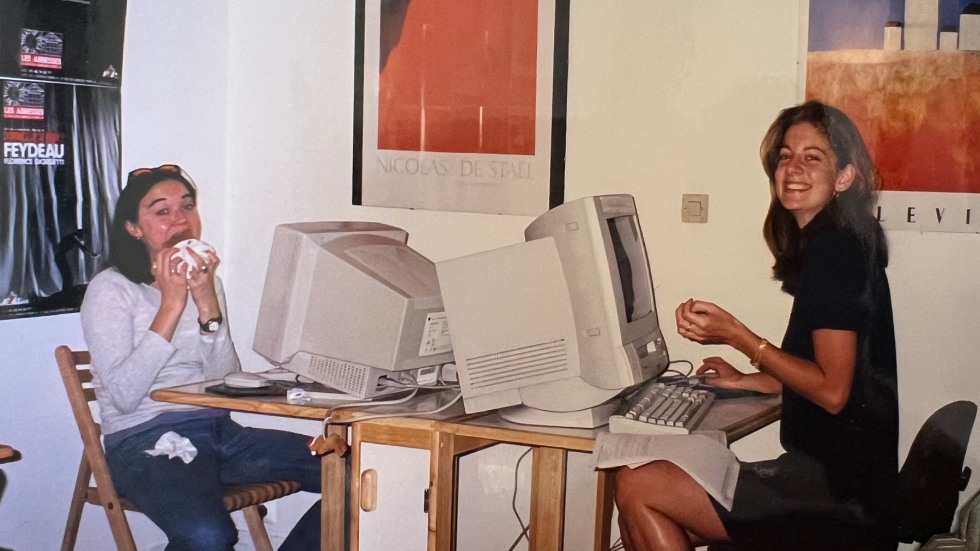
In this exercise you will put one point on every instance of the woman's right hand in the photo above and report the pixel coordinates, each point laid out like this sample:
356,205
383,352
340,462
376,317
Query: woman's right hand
720,373
172,283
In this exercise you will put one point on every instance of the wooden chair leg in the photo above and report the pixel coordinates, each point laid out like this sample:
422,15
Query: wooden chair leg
77,505
119,525
257,528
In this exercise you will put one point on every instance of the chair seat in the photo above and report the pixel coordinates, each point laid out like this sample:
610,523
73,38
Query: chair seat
237,496
245,495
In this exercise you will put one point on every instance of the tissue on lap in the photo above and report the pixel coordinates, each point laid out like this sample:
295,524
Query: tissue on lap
174,445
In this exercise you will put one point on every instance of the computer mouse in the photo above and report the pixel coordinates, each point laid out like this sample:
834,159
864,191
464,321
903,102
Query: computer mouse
244,379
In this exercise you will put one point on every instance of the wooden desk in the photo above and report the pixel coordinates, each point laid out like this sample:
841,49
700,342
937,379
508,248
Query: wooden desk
550,446
452,434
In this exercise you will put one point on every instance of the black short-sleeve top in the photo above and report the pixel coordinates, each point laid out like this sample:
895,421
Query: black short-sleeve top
844,286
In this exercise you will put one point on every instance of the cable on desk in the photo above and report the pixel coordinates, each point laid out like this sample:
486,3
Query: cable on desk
401,384
690,369
327,420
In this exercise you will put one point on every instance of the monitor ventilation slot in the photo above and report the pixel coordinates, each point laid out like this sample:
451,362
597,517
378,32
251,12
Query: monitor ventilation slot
517,364
341,375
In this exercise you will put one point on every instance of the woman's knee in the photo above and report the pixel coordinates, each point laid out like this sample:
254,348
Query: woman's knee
641,486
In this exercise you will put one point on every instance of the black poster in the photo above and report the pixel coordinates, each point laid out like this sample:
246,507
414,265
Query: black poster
71,41
60,69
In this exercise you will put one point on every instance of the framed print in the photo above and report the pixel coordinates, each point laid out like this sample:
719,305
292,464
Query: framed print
908,73
460,104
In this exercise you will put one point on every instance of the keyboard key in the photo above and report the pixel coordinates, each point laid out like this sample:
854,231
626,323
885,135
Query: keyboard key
662,409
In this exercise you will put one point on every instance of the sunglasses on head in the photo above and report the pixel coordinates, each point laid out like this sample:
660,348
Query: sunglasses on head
169,169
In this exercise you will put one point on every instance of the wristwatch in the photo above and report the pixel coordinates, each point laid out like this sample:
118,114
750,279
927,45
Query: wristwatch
211,325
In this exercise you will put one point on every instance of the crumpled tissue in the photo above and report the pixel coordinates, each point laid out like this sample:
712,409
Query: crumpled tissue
174,445
204,250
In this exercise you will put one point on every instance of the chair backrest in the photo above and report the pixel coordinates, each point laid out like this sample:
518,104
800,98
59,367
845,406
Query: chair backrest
933,475
75,373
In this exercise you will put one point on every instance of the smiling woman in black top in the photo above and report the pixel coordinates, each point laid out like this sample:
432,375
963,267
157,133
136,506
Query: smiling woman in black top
834,486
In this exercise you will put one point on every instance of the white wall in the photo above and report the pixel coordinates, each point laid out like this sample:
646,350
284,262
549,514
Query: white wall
255,98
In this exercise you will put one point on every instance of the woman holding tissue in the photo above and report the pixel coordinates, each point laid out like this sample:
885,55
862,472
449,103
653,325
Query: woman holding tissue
156,318
834,486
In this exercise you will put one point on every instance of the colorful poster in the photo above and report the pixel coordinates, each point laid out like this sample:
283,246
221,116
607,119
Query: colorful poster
908,73
460,104
60,177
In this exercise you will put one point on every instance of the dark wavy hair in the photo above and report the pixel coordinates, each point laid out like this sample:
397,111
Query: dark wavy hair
850,209
126,253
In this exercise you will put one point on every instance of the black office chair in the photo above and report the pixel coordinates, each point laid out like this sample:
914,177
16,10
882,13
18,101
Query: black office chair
933,475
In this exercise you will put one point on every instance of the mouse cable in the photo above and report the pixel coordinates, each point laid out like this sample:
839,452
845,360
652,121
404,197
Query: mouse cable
328,420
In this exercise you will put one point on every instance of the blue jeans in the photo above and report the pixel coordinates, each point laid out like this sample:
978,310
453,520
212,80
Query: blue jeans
185,501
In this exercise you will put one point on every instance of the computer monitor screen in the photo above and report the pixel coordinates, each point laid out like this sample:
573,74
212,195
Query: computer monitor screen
349,303
561,324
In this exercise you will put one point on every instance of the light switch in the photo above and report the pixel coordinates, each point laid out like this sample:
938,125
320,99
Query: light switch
694,208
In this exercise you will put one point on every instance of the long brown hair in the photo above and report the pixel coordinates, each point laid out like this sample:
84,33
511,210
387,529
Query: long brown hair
850,209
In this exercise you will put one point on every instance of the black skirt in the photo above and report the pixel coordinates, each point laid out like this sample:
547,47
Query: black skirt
787,504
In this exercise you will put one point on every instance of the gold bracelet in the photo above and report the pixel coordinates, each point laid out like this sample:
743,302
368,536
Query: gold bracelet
758,353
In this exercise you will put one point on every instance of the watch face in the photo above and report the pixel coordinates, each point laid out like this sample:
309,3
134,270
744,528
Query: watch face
213,326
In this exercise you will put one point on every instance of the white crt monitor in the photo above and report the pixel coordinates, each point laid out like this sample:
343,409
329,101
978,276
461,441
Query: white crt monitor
348,303
561,324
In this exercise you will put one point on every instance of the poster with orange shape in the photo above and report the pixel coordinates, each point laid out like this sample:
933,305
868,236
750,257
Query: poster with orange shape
459,104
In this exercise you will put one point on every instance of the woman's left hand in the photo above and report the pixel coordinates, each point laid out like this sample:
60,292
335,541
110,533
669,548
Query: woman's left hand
706,323
201,285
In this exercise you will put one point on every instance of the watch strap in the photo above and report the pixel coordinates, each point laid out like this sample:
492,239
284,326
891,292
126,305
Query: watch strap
211,325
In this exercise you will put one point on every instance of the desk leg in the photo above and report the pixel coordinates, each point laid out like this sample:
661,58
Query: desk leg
442,491
548,472
333,497
604,509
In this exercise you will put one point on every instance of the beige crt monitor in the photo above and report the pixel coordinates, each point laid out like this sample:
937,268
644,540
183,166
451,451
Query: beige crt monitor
560,325
348,304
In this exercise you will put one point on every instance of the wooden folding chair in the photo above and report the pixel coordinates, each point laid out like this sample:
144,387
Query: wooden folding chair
77,378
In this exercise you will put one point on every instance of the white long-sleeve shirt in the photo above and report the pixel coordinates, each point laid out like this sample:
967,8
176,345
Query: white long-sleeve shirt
129,360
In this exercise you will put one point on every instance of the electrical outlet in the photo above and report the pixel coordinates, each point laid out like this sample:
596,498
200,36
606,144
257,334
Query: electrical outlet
694,208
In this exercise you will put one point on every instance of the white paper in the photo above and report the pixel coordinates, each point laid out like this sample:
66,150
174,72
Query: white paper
703,456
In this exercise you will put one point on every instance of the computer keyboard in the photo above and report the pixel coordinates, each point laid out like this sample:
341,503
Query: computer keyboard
658,408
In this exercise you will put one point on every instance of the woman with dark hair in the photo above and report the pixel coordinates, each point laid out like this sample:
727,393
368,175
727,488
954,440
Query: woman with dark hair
834,486
152,320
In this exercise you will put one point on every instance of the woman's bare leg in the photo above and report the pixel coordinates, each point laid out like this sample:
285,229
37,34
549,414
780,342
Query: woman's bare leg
662,508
